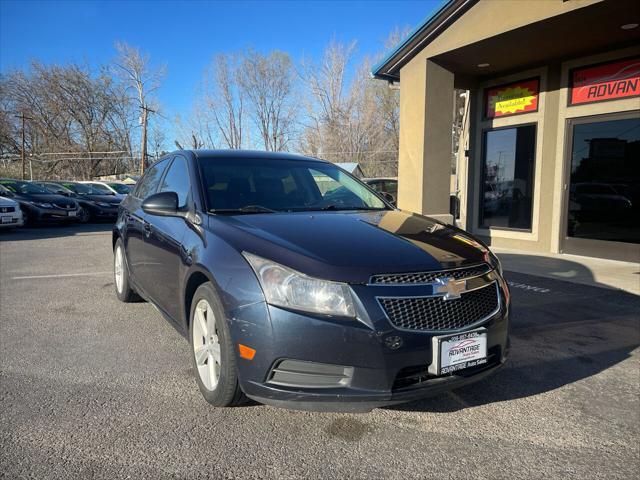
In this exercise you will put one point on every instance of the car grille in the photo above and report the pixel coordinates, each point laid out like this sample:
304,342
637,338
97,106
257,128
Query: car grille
436,314
66,206
7,209
430,277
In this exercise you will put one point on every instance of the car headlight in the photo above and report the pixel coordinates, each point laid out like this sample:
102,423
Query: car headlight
493,261
42,204
287,288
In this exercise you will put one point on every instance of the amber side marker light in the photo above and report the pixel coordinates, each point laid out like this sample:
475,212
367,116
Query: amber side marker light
246,352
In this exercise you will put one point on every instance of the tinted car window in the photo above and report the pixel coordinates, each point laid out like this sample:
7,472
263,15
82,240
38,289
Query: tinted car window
120,188
149,183
177,180
391,186
18,186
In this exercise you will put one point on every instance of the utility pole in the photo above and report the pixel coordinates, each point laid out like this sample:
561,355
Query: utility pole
143,147
22,156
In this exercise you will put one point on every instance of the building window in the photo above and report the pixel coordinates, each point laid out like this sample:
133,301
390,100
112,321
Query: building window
507,181
604,194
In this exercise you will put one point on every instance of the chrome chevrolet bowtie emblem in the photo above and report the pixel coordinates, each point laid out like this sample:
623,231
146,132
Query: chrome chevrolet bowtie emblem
451,287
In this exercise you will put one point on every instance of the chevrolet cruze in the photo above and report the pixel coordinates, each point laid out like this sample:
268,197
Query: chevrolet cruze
299,286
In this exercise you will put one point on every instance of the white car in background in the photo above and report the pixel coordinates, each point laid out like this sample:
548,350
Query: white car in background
119,189
10,213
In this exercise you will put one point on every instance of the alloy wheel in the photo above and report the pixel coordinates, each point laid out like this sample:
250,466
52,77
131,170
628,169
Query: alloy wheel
206,345
84,215
118,267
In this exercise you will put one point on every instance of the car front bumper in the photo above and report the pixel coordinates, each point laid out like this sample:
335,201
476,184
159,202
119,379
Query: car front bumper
105,213
352,366
11,219
53,215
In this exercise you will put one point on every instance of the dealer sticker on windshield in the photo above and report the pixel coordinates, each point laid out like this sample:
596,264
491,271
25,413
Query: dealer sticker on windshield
456,352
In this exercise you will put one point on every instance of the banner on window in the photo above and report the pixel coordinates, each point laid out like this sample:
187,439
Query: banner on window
608,81
511,99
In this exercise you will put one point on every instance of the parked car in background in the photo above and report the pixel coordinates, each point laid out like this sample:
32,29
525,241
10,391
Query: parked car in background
385,186
110,188
94,205
10,213
302,297
38,204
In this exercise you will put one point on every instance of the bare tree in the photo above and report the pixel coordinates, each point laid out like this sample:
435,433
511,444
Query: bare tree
69,109
135,70
268,85
349,120
329,106
225,100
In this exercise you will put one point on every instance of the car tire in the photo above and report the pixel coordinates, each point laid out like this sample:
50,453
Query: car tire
121,275
26,221
84,216
212,352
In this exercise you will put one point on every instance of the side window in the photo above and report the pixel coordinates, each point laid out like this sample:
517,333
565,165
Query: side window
149,182
177,180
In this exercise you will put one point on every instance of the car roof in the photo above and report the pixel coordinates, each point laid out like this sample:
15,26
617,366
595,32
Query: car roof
252,154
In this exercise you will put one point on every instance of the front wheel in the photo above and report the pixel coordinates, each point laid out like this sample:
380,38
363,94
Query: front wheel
84,215
26,221
121,275
213,355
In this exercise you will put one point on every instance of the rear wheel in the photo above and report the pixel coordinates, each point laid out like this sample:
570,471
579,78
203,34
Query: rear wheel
213,356
121,275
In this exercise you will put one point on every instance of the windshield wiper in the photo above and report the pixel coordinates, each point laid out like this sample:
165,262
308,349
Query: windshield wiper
245,209
342,207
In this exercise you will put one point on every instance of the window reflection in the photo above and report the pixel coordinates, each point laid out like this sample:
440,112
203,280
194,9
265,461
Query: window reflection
604,195
507,195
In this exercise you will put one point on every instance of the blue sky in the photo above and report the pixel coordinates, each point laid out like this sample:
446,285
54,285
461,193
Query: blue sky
185,35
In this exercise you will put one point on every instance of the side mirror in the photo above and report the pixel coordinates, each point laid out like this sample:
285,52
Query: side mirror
164,204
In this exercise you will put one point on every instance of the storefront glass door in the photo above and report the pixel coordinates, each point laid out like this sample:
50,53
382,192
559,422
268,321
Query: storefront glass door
603,204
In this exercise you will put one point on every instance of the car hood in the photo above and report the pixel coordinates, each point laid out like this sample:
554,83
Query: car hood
114,199
350,247
45,198
7,202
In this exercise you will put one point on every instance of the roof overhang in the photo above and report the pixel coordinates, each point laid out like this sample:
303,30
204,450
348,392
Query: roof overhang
584,31
589,29
389,68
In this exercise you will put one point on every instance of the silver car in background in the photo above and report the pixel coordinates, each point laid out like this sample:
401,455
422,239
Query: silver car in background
10,213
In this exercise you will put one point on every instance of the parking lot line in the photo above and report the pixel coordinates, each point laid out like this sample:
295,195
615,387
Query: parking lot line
60,275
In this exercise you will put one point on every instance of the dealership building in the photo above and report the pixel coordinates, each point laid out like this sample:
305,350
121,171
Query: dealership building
549,158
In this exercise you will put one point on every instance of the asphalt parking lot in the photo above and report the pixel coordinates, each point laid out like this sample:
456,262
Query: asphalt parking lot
93,388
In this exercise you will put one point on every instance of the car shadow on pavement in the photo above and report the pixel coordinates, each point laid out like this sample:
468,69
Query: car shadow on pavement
561,333
53,231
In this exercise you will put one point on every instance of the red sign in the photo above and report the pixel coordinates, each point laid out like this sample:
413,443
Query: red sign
605,82
511,99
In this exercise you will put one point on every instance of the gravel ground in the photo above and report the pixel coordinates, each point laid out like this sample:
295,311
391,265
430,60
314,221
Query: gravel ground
93,388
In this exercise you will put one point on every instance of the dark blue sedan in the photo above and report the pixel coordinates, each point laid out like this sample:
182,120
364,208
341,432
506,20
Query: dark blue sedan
299,286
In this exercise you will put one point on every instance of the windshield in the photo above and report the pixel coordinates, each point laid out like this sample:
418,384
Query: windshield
81,188
54,187
120,188
17,186
283,185
100,189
